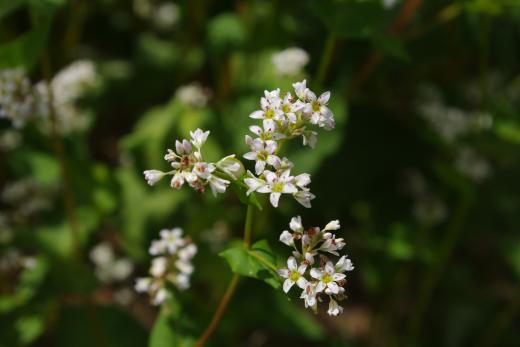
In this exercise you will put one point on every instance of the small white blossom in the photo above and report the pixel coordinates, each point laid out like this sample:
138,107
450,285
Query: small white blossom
328,278
109,268
290,61
153,176
293,274
334,308
262,152
17,102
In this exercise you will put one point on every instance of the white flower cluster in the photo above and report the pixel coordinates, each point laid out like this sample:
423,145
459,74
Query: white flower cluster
193,95
316,277
172,264
108,268
67,87
189,166
283,118
451,123
290,61
17,101
21,102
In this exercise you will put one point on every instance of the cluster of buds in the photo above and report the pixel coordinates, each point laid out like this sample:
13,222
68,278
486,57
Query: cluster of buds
172,265
311,268
17,99
189,166
283,118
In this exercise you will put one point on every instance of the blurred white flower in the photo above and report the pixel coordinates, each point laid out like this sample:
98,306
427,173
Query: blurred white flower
165,16
193,95
290,61
172,264
17,101
472,165
109,268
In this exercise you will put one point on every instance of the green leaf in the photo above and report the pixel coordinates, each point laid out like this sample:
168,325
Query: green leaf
257,262
163,333
240,189
391,46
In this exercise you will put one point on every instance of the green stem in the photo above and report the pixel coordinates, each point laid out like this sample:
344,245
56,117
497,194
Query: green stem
326,59
248,226
224,301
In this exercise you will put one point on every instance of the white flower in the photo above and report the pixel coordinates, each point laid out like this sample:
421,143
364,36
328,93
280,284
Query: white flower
165,16
290,61
389,4
269,107
121,269
309,295
267,132
172,239
160,296
344,264
334,308
327,279
296,224
142,284
188,252
17,101
274,184
293,274
193,95
310,138
287,238
332,225
332,244
217,184
319,112
199,137
153,176
262,152
304,197
301,90
159,266
102,254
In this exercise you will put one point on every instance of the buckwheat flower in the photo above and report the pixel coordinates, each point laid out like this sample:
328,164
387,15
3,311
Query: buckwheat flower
334,308
269,108
165,16
309,296
217,184
317,107
293,274
328,278
332,225
287,238
389,4
193,95
173,265
344,264
304,197
159,266
109,268
267,132
290,61
290,107
198,137
469,163
301,90
310,138
275,185
332,244
153,176
102,254
172,239
296,224
17,101
262,152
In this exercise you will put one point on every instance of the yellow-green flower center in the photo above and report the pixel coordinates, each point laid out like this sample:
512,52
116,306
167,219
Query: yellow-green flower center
316,106
269,113
327,278
262,155
278,187
295,276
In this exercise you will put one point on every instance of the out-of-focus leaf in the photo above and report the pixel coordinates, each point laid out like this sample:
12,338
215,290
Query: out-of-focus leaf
29,328
226,32
43,167
350,18
26,49
163,53
152,204
240,189
398,246
508,131
258,262
391,46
